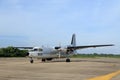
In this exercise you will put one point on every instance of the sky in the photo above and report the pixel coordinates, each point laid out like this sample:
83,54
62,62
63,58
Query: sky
52,23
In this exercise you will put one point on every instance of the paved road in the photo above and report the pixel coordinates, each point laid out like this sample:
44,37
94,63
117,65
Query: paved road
78,69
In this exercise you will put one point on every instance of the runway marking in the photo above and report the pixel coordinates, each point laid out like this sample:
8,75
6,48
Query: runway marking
106,77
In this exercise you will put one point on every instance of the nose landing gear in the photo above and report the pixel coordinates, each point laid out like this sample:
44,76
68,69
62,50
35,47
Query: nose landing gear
31,60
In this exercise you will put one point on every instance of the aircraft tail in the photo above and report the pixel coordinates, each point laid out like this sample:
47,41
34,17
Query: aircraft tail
73,41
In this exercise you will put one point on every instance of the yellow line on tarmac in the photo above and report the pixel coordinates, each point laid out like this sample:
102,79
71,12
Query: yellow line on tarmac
106,77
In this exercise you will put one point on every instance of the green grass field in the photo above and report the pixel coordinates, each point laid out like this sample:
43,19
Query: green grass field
95,55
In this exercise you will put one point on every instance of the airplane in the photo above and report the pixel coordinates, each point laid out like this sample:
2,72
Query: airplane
49,53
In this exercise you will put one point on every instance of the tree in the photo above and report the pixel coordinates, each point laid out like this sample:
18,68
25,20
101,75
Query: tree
12,52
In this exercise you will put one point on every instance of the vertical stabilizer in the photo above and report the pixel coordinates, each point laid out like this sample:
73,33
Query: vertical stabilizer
73,41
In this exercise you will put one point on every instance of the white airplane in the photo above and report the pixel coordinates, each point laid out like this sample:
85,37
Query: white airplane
48,53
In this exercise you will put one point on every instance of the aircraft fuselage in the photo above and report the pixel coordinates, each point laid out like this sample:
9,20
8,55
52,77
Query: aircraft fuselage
46,52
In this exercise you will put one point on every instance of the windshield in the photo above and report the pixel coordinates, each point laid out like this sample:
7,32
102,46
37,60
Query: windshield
37,49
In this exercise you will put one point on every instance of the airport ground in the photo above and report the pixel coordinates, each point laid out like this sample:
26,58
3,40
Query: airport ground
58,69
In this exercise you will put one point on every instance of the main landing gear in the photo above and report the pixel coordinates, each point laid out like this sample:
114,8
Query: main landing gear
67,60
43,60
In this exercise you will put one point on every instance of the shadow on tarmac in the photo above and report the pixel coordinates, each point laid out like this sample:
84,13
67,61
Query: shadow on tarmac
64,60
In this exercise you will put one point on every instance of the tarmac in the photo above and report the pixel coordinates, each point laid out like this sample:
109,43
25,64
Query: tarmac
58,69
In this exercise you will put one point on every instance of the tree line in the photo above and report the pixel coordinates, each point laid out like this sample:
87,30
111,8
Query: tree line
12,52
15,52
95,55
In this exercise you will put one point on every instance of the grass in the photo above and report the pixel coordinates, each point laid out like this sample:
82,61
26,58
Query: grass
95,55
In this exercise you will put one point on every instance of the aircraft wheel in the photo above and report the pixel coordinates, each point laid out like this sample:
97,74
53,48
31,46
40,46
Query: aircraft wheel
43,60
31,61
67,60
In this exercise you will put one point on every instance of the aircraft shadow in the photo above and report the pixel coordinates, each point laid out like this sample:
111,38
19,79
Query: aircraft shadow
62,60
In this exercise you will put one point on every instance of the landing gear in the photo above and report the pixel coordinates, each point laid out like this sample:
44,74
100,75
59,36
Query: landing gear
43,60
31,60
67,60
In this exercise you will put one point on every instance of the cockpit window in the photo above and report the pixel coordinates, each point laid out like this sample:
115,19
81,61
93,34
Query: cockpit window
37,49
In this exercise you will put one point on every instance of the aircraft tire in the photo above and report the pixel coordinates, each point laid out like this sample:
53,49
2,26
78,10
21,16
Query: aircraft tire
43,60
31,61
67,60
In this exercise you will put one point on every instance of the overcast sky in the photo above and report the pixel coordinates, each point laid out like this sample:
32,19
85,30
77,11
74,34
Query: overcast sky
52,22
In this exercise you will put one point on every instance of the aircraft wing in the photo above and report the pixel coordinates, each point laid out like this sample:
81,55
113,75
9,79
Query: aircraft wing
89,46
24,47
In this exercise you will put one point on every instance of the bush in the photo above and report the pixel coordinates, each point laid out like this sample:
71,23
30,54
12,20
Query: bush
12,52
